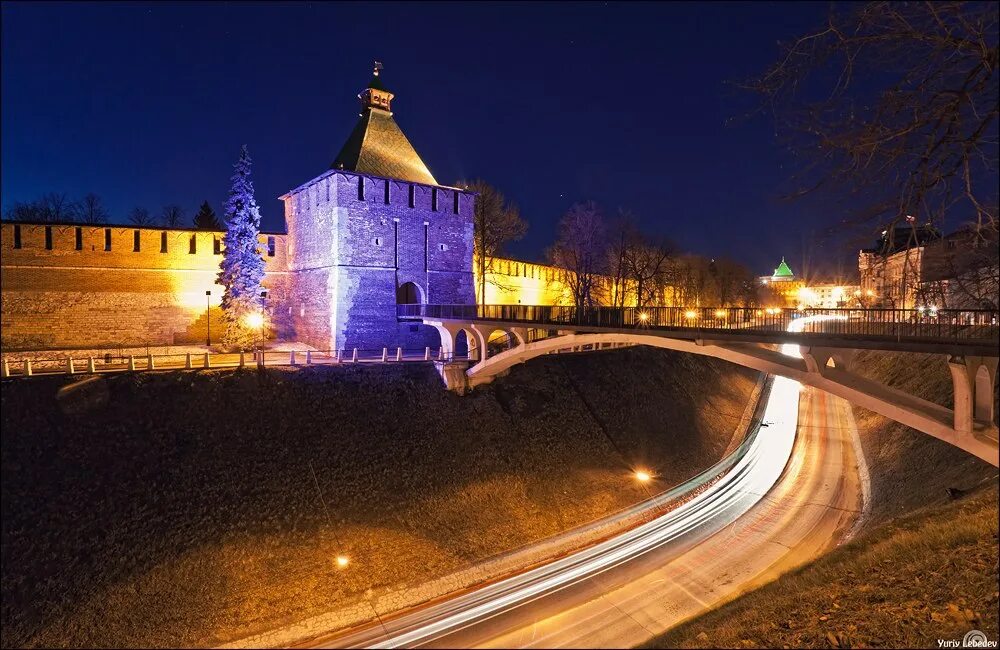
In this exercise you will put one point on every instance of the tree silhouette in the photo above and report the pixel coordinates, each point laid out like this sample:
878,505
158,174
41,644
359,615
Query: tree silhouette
205,218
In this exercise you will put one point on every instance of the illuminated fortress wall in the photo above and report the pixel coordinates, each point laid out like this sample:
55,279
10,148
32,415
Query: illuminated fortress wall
88,286
512,282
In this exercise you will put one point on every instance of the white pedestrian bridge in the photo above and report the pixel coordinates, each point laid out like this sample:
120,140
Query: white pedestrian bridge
496,337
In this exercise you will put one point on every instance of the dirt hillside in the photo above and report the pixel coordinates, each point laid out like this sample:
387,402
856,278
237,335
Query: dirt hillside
193,508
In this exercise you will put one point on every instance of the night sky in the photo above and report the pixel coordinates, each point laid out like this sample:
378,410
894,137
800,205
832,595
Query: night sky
629,105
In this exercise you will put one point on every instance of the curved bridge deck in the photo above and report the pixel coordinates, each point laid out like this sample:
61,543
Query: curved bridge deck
828,341
902,330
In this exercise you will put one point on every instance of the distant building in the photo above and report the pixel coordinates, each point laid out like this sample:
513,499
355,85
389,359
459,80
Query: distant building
915,266
828,296
781,288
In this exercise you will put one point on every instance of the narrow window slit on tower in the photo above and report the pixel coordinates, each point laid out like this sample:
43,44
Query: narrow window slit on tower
434,199
107,239
48,238
270,246
387,192
163,241
79,238
193,245
17,236
361,188
456,202
135,241
216,246
413,197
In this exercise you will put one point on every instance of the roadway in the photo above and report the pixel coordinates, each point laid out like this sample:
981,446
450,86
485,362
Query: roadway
813,506
796,493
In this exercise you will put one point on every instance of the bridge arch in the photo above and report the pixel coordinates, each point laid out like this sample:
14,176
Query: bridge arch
984,391
920,414
459,340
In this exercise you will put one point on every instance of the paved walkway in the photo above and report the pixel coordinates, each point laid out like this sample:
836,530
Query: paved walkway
62,362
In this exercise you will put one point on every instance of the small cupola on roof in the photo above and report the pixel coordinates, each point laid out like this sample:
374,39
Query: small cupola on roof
377,146
783,272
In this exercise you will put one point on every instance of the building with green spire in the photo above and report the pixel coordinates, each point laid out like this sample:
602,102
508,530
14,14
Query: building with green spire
783,272
781,288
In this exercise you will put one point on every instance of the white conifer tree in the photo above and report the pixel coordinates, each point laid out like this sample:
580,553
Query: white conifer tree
242,266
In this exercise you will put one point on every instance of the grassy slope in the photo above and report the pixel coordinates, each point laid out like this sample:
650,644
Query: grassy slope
183,508
908,583
910,469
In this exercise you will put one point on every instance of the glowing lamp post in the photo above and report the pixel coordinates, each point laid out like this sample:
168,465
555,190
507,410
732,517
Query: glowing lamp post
208,317
255,320
263,311
342,561
643,476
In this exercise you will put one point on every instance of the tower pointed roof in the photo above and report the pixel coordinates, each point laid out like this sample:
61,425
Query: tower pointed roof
783,271
377,146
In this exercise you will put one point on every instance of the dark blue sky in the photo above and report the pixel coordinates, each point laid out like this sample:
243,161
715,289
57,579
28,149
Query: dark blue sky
626,104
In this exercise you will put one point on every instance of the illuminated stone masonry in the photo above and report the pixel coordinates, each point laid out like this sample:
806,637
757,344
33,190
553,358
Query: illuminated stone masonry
80,285
358,245
373,231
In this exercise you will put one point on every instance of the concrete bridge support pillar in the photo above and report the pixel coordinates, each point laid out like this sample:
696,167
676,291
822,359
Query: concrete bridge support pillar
818,359
520,334
482,336
453,374
974,381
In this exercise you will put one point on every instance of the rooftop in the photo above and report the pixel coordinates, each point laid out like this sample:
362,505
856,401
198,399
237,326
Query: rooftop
783,271
377,146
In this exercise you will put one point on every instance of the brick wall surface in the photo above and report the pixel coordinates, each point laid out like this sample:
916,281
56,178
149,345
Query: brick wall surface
352,240
367,237
85,296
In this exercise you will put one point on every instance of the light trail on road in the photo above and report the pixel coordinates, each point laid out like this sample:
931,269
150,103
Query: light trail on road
718,506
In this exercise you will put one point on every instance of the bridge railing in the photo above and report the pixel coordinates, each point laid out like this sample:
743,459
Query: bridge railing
940,324
34,365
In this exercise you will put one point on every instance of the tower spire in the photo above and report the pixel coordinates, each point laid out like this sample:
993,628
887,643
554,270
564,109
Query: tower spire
376,95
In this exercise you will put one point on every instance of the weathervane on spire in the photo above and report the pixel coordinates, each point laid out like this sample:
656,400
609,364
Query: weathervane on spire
375,95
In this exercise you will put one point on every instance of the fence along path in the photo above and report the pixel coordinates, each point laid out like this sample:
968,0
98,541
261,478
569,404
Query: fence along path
68,365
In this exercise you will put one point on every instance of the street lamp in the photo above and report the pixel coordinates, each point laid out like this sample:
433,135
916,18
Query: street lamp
255,320
208,317
263,311
642,476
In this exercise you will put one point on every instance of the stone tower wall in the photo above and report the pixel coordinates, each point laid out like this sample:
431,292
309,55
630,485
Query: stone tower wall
361,237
